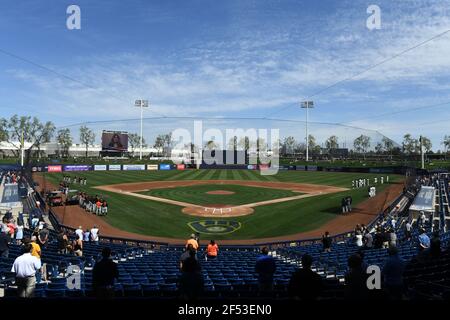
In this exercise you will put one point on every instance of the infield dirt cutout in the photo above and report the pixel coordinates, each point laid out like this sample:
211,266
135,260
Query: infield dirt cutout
220,210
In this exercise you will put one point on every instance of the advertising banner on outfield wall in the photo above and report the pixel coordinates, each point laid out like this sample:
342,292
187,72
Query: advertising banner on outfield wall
133,167
263,167
311,168
114,167
100,167
181,166
152,167
252,167
54,169
77,167
163,166
300,168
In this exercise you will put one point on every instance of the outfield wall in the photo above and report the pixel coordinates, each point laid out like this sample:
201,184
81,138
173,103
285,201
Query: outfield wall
170,166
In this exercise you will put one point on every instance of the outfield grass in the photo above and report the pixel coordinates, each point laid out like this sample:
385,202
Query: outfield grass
160,219
242,194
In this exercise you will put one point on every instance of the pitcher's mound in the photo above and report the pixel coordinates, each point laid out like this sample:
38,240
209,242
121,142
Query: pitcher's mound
218,212
220,192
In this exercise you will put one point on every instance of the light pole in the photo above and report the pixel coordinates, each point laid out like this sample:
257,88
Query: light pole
307,105
142,104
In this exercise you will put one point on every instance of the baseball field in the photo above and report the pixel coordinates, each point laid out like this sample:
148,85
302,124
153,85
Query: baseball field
224,204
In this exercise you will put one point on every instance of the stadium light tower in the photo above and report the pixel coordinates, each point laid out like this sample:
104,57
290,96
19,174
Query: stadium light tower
307,105
141,104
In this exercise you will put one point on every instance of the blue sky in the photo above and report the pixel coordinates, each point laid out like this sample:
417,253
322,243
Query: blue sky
230,59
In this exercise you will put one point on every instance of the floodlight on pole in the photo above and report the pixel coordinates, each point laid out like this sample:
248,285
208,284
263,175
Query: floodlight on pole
307,105
141,104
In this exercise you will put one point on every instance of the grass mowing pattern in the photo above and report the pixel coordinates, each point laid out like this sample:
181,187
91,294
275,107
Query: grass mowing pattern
160,219
242,194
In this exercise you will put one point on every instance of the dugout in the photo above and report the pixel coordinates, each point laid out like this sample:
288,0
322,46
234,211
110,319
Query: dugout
424,201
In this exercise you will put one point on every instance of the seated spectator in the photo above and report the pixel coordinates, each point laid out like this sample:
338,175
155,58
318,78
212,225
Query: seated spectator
43,236
305,284
103,275
212,250
326,242
192,241
393,274
356,279
265,268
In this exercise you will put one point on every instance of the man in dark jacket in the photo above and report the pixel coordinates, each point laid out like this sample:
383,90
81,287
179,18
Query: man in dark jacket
305,284
103,275
265,268
4,244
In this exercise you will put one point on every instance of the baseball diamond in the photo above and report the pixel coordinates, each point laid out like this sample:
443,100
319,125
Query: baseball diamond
163,204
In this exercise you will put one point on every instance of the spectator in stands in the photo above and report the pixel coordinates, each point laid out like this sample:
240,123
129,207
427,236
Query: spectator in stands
408,231
191,282
212,250
36,248
63,242
393,238
25,268
386,238
87,235
4,225
424,240
265,268
368,240
95,234
378,240
19,233
423,218
43,236
305,284
79,233
103,275
187,254
4,244
326,242
192,240
78,247
356,279
393,274
34,222
435,245
358,239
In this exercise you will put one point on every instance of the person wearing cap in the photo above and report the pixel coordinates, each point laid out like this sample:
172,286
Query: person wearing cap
25,268
192,241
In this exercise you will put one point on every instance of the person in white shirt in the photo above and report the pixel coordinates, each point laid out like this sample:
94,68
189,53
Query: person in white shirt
94,234
25,267
359,239
79,232
408,233
423,218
